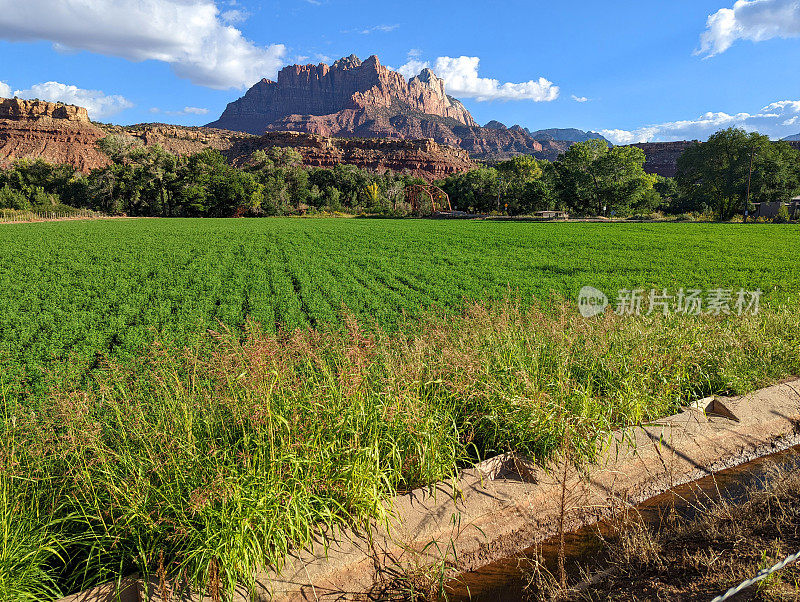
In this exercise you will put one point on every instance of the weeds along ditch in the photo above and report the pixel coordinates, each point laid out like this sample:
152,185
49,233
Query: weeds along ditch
161,408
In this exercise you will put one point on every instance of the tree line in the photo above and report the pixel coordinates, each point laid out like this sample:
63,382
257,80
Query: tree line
719,176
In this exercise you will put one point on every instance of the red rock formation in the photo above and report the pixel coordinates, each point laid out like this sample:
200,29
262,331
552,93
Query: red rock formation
57,133
16,108
367,100
662,157
368,89
422,158
63,134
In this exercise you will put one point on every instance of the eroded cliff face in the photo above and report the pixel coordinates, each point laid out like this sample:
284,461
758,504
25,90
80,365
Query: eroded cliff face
421,158
16,108
662,157
354,99
55,132
366,88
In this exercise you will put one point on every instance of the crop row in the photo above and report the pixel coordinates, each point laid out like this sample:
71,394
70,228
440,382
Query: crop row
74,294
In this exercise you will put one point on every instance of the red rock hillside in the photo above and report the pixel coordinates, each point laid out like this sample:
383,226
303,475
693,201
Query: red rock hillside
61,133
55,132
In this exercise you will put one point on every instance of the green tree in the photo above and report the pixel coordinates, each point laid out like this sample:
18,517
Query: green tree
715,173
593,178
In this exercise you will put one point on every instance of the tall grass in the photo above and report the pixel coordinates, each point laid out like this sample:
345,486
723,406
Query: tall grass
215,460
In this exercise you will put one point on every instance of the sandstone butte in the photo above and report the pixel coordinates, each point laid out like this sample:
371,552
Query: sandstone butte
57,133
365,99
62,133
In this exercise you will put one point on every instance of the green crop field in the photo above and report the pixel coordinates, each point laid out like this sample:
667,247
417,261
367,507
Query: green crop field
71,293
195,399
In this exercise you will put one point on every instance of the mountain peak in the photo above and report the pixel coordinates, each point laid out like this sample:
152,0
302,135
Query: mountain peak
348,62
348,94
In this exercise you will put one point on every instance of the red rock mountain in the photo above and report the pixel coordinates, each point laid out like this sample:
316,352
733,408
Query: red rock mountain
359,99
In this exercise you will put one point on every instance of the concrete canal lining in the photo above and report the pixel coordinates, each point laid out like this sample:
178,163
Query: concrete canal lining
506,505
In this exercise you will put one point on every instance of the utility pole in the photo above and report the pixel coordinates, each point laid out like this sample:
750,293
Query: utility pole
749,180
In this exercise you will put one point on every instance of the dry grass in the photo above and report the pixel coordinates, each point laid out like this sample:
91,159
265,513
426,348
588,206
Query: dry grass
700,558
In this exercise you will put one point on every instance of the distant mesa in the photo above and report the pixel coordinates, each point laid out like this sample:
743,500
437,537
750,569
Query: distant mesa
567,135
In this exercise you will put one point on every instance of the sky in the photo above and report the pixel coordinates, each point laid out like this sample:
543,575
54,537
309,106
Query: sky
635,71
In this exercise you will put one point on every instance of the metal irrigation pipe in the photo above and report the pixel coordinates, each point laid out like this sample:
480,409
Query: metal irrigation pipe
762,574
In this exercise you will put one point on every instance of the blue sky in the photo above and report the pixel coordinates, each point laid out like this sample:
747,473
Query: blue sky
636,71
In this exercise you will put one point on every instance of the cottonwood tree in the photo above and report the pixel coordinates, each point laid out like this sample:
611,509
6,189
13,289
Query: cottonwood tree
593,178
715,173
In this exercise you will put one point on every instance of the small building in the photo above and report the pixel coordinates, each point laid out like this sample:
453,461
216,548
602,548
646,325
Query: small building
770,210
552,214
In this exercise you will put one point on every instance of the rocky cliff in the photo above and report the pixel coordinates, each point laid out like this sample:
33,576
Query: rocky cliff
16,108
662,157
422,158
367,100
55,132
366,89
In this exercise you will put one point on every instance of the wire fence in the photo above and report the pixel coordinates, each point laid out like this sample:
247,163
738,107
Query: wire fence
762,574
12,215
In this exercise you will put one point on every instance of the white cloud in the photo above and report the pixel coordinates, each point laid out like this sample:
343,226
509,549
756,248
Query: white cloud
579,98
775,120
5,90
755,20
374,29
413,67
184,111
190,35
96,102
235,16
461,78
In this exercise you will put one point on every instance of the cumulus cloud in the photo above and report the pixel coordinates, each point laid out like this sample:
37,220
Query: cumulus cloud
97,104
775,120
189,35
755,20
461,78
5,90
579,98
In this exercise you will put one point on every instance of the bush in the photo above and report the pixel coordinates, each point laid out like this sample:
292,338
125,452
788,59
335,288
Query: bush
13,199
783,215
